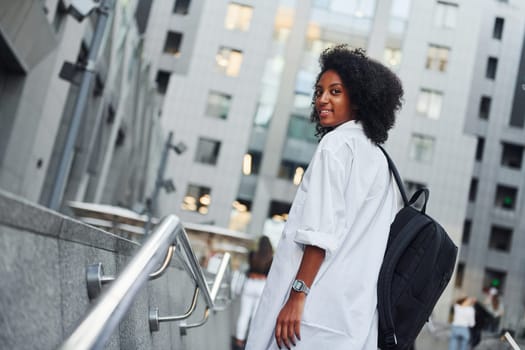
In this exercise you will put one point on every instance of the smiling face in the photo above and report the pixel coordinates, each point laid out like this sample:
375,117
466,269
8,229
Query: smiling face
332,101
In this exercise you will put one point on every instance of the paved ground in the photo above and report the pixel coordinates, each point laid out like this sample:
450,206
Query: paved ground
437,339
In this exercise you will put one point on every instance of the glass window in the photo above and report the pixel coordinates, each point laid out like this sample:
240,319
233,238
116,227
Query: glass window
60,15
275,221
251,162
506,197
229,61
479,148
473,190
422,148
484,107
353,15
240,215
302,102
460,273
238,17
197,199
467,227
437,58
357,8
399,14
497,32
392,57
207,151
400,9
162,80
517,117
292,170
492,66
446,15
500,238
512,155
494,278
181,7
173,43
301,128
429,103
218,105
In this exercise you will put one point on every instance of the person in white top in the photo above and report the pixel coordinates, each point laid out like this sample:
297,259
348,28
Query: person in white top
321,292
464,319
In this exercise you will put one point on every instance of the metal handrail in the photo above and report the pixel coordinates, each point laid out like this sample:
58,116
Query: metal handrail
155,319
194,266
214,291
98,325
508,338
166,262
95,277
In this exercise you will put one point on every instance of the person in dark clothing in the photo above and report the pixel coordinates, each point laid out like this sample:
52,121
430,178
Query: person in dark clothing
483,320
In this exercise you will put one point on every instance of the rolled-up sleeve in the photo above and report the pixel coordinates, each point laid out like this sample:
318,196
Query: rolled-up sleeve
322,222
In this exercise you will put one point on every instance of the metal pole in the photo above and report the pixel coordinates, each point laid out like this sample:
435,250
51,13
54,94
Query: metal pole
80,106
99,324
152,207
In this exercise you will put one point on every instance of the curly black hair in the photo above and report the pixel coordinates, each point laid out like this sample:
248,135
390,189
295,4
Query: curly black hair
374,90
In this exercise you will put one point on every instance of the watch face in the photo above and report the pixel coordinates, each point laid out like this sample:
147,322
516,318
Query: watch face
298,285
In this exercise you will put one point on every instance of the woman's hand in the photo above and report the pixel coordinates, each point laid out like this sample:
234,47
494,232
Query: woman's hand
287,328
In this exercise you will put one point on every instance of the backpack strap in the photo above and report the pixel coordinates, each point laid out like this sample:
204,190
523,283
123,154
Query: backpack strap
397,177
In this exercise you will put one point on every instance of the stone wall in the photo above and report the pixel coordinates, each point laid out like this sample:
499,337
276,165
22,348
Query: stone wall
43,293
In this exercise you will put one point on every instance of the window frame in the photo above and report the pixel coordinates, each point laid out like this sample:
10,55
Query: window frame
446,15
492,68
415,151
225,102
438,57
173,43
238,17
426,108
233,61
499,26
202,158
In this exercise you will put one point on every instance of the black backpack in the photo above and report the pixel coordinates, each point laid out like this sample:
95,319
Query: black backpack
417,266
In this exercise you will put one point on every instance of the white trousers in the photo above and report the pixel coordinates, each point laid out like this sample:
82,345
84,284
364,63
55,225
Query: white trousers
251,294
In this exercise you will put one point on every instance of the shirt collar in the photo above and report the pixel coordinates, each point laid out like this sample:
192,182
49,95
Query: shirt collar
351,124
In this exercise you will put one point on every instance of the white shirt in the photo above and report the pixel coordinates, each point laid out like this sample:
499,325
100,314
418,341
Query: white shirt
345,205
464,316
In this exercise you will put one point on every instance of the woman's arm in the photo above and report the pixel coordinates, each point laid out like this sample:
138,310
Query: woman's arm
287,328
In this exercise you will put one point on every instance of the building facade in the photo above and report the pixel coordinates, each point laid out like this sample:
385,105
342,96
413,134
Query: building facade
105,162
493,244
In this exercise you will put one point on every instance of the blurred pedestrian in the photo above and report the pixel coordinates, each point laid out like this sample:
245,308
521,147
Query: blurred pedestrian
494,306
463,320
321,292
259,262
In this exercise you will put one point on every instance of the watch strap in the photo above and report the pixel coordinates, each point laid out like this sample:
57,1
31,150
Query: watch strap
299,286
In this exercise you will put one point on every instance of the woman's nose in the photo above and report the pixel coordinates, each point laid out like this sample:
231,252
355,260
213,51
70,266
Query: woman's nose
323,98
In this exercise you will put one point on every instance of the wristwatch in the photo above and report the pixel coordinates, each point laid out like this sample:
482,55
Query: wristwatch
300,286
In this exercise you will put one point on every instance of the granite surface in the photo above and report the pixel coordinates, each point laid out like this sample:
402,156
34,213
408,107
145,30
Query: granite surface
43,293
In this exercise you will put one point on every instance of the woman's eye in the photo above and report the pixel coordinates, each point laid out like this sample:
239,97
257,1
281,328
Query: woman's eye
335,91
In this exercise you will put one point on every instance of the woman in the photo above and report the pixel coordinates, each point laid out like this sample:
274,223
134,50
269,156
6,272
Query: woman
464,319
260,262
494,306
321,290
